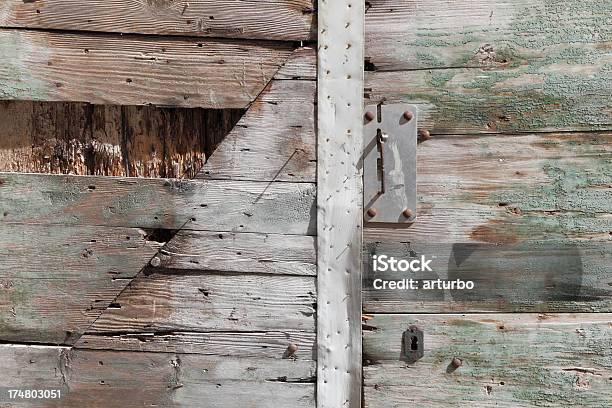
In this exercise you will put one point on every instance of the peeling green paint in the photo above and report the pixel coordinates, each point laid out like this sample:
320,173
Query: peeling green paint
18,80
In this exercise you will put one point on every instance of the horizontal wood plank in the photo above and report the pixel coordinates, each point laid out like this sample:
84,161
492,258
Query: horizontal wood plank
288,20
136,379
135,70
508,360
484,33
551,97
217,205
537,276
493,66
241,343
244,253
166,303
274,140
56,280
504,203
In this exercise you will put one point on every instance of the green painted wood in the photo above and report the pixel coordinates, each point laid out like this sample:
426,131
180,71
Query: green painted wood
416,34
493,66
217,205
508,360
505,202
135,379
289,20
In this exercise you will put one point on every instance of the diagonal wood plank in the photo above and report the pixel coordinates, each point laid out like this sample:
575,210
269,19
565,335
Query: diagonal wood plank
54,282
275,139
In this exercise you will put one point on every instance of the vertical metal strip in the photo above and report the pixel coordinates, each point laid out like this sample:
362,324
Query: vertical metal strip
339,202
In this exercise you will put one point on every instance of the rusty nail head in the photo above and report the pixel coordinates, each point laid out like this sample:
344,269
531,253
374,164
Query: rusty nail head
456,362
372,212
369,116
424,134
155,262
408,213
291,349
408,116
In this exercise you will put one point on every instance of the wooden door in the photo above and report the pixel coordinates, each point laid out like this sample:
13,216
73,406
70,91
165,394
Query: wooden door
513,192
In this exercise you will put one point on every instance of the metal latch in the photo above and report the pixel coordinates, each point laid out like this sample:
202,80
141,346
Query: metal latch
412,345
389,163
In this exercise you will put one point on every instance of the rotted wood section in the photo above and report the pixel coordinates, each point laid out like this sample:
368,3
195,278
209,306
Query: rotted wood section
513,187
109,140
186,290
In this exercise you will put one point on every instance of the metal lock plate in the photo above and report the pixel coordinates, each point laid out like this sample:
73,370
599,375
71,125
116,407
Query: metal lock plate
413,348
389,163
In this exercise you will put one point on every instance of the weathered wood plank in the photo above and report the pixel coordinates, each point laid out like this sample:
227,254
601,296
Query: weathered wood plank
274,140
508,360
217,205
511,188
56,280
404,35
535,276
507,202
108,378
339,202
245,253
560,95
241,343
122,70
158,302
289,20
500,66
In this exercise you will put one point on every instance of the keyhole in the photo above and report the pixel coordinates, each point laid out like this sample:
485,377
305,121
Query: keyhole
414,343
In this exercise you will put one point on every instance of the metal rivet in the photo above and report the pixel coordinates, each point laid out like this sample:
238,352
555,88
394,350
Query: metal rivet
408,213
155,262
424,134
291,349
372,212
370,116
456,362
408,116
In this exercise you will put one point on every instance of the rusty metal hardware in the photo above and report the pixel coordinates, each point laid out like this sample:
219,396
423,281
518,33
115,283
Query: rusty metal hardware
412,345
381,138
389,163
456,362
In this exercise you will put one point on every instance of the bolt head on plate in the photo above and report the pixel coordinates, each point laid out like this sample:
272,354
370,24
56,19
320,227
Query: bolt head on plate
372,212
408,115
369,116
408,213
